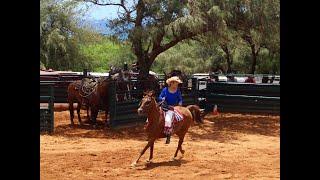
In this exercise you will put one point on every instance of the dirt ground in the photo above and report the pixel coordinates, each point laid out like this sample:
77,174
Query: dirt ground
226,146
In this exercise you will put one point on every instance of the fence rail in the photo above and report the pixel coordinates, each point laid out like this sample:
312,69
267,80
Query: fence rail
230,97
243,97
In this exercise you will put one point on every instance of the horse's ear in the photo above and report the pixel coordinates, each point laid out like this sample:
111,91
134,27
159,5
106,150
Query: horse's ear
152,93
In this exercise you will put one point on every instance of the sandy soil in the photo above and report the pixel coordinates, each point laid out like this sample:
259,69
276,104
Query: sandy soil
227,146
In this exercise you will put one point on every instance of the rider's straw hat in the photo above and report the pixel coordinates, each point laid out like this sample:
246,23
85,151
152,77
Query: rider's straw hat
174,78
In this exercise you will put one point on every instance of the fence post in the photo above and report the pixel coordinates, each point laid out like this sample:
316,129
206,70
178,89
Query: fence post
51,107
85,73
112,103
195,89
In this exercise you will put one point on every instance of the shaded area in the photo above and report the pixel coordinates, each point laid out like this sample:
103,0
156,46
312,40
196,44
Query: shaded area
177,163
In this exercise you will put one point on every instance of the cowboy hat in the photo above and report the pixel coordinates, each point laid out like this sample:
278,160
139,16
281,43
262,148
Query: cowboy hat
173,78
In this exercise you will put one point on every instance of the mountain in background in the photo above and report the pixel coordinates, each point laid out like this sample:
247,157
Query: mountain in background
102,26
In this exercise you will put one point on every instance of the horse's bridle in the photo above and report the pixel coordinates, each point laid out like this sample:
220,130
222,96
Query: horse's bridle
157,104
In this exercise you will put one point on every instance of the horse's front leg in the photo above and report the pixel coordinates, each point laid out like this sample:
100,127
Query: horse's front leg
71,112
94,114
88,115
78,112
142,152
151,153
106,116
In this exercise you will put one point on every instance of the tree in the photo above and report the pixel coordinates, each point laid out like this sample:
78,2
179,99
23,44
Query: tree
154,26
60,36
257,22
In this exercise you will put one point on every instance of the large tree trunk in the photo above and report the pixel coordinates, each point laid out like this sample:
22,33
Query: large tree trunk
144,65
254,63
229,62
254,54
225,48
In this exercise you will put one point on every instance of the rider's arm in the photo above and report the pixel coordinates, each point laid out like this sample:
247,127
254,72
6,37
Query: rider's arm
162,95
179,98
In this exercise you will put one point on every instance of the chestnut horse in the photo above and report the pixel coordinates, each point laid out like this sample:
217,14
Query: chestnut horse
155,127
74,95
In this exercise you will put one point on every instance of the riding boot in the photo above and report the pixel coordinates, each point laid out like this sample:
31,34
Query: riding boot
168,139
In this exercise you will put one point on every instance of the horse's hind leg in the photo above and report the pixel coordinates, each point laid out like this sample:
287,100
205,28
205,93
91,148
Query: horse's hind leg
179,147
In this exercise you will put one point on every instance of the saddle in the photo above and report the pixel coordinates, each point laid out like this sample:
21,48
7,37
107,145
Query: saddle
177,115
165,107
87,86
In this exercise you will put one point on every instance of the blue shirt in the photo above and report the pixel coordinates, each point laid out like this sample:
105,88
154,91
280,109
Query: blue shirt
172,99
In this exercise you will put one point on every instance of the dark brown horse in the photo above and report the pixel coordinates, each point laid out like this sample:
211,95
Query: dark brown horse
123,84
74,95
155,126
96,99
99,99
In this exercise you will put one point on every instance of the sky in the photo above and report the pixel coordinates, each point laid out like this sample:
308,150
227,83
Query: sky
97,12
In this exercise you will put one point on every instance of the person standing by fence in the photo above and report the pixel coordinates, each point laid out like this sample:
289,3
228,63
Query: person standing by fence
250,79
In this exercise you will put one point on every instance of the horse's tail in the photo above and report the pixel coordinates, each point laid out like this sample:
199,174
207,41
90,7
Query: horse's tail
196,113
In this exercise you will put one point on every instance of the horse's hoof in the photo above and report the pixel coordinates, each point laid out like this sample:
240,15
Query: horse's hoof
173,159
182,151
148,161
133,165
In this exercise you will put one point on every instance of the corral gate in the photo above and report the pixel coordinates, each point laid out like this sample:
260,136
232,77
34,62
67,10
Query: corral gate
47,111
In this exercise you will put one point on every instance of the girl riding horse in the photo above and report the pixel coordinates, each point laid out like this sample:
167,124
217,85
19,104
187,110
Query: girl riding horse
170,96
155,127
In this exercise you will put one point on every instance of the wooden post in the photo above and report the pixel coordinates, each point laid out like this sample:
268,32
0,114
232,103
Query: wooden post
112,103
51,107
195,89
85,73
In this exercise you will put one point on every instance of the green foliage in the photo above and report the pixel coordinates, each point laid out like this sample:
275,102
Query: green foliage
193,36
105,53
59,36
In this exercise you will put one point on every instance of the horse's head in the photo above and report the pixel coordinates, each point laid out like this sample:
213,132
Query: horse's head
126,75
147,102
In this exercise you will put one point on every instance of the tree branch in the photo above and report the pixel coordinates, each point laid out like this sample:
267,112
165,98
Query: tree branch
176,40
103,4
121,4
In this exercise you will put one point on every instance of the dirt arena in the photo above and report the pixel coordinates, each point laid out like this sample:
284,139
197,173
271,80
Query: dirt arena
227,146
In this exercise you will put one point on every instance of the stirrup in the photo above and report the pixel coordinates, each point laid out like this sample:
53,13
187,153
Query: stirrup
168,139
